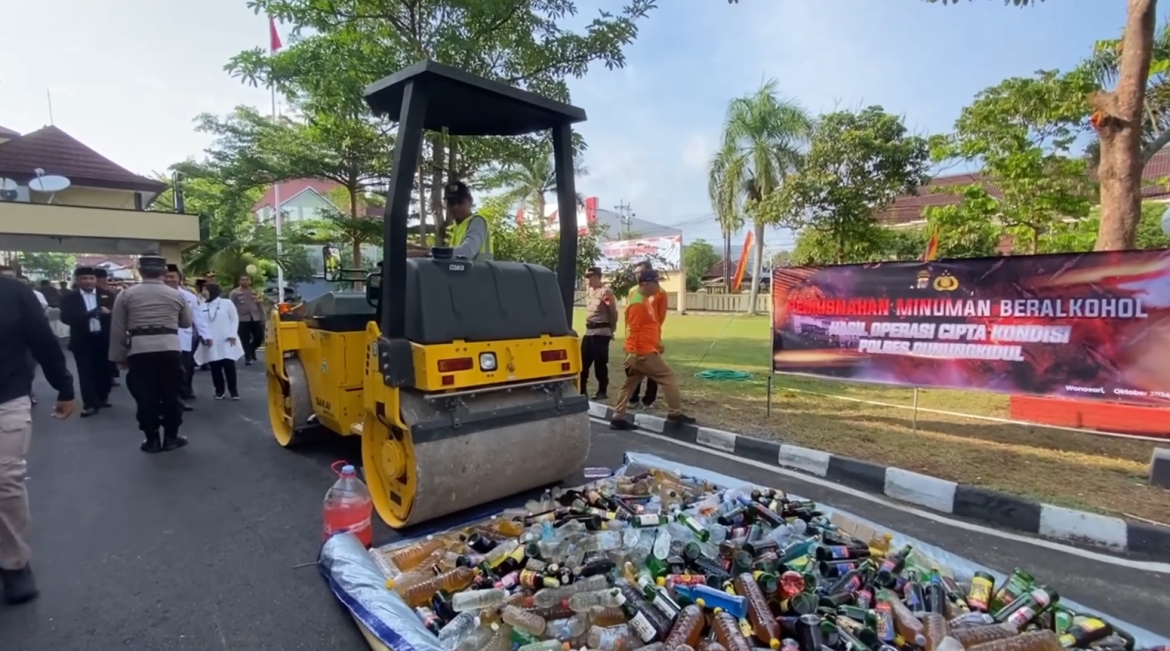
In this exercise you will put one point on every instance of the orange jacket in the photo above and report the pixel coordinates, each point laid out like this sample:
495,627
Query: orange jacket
644,318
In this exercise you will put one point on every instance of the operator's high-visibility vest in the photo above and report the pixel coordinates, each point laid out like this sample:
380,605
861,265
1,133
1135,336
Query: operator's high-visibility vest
459,231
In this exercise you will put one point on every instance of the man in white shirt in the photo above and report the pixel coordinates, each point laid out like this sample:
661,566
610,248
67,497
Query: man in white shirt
187,336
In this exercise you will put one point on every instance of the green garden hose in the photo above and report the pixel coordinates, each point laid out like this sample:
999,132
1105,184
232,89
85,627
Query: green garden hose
722,374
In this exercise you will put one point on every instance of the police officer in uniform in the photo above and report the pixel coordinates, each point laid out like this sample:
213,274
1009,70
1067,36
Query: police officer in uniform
601,316
144,341
471,237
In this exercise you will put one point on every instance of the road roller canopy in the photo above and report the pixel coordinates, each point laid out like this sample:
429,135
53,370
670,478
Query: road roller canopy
467,105
432,96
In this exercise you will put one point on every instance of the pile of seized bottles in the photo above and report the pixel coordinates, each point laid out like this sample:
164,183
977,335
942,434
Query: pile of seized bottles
661,561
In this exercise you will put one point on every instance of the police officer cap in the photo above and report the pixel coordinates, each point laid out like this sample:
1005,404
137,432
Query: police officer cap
83,271
593,271
457,191
155,262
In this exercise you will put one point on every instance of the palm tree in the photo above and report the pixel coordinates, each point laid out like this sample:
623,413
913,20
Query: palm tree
762,139
531,178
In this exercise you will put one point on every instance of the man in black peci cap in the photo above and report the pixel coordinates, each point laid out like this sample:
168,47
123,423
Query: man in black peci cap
471,236
87,313
145,329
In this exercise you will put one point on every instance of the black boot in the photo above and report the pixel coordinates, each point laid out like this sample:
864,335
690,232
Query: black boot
151,444
172,441
19,585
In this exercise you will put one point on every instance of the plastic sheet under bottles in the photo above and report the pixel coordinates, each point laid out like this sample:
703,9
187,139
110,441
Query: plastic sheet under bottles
388,623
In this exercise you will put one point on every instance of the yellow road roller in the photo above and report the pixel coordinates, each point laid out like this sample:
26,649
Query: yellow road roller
460,377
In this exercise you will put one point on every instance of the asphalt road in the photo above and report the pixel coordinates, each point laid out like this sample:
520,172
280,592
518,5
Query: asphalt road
206,548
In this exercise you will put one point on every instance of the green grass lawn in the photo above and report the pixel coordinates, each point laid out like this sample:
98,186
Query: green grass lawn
1060,467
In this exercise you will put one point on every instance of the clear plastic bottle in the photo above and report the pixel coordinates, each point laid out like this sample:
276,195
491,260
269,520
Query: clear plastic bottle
500,640
614,638
477,599
949,644
408,557
457,630
569,628
583,601
546,645
348,508
500,551
523,620
476,639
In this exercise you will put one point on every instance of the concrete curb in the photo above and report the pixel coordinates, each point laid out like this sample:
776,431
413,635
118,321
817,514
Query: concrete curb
999,509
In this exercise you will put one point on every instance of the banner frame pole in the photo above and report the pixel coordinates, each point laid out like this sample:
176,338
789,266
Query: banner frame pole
915,412
768,411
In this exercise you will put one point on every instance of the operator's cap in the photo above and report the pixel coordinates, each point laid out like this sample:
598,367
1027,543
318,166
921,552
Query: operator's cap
649,276
83,271
593,271
154,262
456,191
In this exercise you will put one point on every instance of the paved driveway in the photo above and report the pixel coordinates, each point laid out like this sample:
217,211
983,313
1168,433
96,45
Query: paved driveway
205,548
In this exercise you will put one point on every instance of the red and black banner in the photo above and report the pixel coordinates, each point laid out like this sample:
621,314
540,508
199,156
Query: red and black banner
1086,325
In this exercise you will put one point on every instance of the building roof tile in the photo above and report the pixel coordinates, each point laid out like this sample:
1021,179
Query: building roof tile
59,153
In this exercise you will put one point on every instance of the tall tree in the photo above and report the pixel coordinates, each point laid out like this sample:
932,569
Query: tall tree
1118,115
856,165
762,138
339,47
529,177
1023,130
698,257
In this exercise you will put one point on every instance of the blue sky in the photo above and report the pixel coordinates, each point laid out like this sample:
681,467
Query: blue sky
128,76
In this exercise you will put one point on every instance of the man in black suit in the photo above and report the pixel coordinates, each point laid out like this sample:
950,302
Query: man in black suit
87,313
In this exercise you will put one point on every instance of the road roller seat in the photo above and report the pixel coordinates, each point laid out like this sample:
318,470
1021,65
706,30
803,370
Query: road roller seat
339,312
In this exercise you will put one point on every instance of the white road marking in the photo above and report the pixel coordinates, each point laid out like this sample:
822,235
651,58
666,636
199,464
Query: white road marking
1146,566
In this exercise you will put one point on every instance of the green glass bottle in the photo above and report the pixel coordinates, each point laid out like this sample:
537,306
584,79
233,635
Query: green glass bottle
1017,583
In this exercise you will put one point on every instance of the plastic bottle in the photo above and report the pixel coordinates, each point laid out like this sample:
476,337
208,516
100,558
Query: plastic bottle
1043,640
476,639
934,627
457,630
976,635
583,601
727,632
453,581
569,628
687,629
615,638
949,644
528,622
407,558
907,625
478,599
349,509
546,645
763,622
602,616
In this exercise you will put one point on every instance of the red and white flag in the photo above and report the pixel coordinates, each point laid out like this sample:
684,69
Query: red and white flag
274,43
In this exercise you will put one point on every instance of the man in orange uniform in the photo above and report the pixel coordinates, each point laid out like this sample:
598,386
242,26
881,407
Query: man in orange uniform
644,315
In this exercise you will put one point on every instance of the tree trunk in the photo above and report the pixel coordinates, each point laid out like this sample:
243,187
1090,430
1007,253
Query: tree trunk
727,261
540,208
757,267
357,244
1118,120
437,189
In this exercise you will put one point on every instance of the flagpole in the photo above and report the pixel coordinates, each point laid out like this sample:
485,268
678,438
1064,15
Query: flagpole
274,44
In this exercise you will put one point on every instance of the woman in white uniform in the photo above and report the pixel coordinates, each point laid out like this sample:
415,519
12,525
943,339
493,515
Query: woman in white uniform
222,348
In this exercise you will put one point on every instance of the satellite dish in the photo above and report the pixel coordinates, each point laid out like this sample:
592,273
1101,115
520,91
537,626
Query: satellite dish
48,184
8,184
